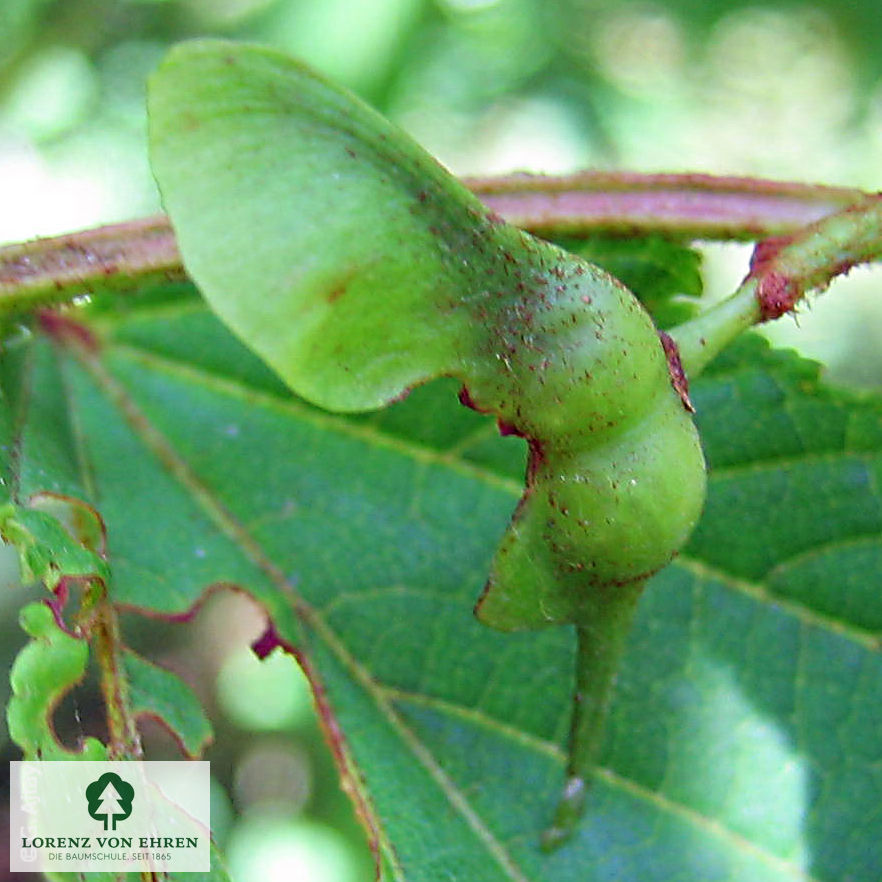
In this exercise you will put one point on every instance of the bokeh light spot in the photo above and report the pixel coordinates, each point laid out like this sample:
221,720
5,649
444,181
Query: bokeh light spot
266,847
266,695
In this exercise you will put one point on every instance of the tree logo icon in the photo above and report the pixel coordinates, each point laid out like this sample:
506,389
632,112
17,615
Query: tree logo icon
110,799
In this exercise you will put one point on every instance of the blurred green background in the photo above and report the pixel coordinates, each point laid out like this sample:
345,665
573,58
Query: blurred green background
788,90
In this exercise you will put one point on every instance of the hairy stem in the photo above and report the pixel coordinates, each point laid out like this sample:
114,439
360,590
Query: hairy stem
120,257
124,257
782,271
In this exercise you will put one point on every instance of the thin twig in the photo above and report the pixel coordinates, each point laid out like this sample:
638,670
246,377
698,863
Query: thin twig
687,206
783,270
120,257
125,257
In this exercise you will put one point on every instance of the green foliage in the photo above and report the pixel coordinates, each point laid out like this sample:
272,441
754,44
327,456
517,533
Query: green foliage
61,542
48,552
51,663
738,672
156,692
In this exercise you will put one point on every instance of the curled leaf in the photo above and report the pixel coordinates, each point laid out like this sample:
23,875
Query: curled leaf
44,671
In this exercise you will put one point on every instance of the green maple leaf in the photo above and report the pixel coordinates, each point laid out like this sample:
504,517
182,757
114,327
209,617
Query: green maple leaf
744,737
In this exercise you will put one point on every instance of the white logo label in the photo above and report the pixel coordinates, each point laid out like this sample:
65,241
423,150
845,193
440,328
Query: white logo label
109,816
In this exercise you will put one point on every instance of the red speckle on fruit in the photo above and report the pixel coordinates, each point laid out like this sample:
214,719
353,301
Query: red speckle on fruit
679,380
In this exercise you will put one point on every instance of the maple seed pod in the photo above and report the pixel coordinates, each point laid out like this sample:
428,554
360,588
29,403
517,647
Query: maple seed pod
409,277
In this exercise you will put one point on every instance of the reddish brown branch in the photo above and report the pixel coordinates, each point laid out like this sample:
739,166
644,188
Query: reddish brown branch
127,256
685,205
118,257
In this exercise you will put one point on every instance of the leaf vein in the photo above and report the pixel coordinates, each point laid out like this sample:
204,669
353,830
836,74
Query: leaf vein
610,776
760,593
325,420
